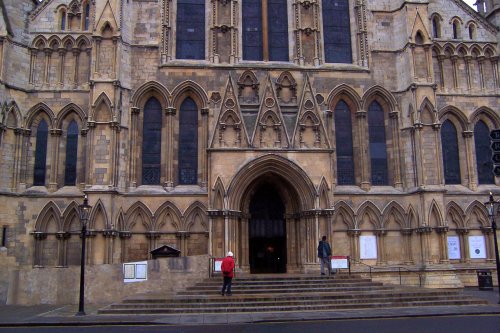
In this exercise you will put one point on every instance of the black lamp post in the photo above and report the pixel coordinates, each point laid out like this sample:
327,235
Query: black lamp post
492,207
84,212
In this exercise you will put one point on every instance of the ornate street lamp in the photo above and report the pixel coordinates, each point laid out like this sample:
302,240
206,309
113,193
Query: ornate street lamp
84,212
492,207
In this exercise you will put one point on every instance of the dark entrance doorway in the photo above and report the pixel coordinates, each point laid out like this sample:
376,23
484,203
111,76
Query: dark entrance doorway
267,231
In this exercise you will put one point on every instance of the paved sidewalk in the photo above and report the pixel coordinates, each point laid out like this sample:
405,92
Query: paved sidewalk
65,315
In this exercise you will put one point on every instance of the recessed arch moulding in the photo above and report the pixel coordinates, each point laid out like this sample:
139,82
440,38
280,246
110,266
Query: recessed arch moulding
295,178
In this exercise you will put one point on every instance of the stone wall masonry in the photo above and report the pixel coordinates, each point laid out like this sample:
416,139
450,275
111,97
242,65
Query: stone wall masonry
28,286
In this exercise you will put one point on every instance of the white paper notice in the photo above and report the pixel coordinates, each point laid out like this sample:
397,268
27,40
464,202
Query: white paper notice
477,249
453,247
368,247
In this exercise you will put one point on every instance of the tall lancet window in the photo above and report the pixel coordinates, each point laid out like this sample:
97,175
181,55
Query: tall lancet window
71,154
483,154
378,145
344,146
188,143
451,160
337,31
265,30
151,143
190,34
42,134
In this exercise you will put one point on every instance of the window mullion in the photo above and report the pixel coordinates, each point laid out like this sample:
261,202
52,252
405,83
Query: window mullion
265,31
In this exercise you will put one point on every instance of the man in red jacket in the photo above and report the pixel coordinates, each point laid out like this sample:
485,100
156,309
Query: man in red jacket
227,268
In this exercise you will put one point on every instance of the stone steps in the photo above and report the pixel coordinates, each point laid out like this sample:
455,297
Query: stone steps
288,293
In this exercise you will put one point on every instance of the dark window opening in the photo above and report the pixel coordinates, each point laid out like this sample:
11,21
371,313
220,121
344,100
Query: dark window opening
337,31
190,35
483,154
41,154
151,143
451,161
436,27
87,17
378,145
259,43
71,154
4,236
188,143
344,146
63,20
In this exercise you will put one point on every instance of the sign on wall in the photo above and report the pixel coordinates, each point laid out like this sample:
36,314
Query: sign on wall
338,262
477,249
368,247
135,271
453,247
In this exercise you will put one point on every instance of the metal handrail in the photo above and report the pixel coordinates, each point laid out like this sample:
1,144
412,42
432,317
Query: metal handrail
399,272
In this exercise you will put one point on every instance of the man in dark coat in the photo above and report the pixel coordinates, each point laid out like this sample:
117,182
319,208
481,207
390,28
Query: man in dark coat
324,254
227,269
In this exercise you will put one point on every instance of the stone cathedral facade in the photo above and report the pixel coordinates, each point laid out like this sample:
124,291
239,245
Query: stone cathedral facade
254,126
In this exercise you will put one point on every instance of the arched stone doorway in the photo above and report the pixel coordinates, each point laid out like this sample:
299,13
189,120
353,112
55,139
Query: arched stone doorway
267,231
275,193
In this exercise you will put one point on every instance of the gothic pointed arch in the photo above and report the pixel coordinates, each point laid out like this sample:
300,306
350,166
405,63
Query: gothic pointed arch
248,88
270,130
476,216
120,221
458,117
69,215
286,88
168,217
394,209
195,217
150,89
276,165
11,116
346,93
139,209
455,214
67,111
191,89
381,95
102,109
98,210
323,194
309,130
486,114
48,215
427,113
37,111
219,194
435,218
368,211
230,130
412,221
343,211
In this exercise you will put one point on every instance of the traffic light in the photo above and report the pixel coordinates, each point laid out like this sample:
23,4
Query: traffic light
495,147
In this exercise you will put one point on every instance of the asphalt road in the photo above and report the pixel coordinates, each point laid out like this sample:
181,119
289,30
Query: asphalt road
445,324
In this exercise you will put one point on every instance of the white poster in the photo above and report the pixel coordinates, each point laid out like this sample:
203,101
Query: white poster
368,247
477,249
217,265
453,247
135,271
338,262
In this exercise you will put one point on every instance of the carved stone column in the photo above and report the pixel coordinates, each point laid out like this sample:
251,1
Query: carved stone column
381,233
134,154
469,159
125,237
363,142
204,146
440,59
38,255
442,231
109,236
398,182
62,237
54,158
354,239
467,60
169,148
464,249
408,252
424,233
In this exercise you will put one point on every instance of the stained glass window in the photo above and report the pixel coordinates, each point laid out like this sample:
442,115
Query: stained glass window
190,35
483,154
71,154
344,147
378,145
151,142
337,31
188,143
451,160
42,134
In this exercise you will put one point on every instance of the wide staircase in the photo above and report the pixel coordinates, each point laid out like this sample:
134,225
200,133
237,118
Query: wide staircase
273,293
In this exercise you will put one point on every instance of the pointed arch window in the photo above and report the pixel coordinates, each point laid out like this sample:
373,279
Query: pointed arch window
344,147
472,31
265,30
456,30
451,161
483,154
86,17
42,134
337,31
436,27
188,143
377,144
190,34
63,20
71,154
151,142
